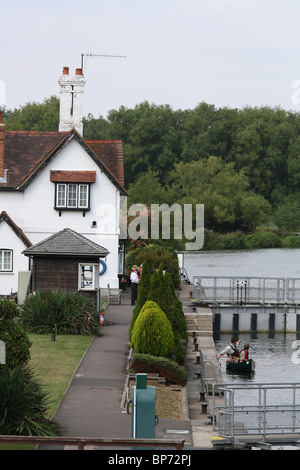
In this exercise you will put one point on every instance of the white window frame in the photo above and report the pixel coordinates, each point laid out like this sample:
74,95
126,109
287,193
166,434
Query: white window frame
3,268
66,188
88,276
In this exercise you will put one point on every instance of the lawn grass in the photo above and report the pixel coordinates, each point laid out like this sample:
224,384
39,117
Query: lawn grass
54,363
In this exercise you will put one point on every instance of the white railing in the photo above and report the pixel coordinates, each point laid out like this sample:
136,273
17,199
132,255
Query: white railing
257,410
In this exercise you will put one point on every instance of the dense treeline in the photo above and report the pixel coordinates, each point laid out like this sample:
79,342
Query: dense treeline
242,164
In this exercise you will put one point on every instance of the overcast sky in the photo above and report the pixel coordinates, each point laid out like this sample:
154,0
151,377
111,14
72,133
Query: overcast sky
178,52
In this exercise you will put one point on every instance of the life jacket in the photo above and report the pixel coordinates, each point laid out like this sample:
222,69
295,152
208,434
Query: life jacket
235,352
246,354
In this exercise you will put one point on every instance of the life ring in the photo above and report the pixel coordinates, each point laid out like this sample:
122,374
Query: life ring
102,271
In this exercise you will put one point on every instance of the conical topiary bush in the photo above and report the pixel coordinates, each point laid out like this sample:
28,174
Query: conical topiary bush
152,332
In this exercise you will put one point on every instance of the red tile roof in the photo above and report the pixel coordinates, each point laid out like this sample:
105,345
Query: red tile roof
27,152
19,232
110,152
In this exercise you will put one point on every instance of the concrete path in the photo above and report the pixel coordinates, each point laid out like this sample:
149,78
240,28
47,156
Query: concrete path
92,404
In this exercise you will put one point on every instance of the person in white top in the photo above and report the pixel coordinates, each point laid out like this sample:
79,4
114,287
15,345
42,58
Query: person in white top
231,350
134,279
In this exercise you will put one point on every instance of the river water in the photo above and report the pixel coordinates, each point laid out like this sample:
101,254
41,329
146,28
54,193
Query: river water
276,358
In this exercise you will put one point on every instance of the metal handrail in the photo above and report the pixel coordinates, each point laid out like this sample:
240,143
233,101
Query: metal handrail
261,416
241,290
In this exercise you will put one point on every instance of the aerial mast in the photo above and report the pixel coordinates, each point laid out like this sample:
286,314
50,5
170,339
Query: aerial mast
109,56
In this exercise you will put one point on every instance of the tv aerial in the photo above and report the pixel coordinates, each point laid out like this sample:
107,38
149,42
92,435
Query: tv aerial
106,56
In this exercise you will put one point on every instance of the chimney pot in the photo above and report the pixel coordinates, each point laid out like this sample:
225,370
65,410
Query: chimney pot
78,71
66,71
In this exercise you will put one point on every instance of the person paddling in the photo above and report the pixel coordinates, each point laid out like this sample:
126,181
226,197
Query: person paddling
231,350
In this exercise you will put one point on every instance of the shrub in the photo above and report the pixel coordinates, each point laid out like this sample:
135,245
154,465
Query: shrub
57,311
162,292
155,255
143,290
264,239
291,241
152,332
23,405
16,341
233,241
145,363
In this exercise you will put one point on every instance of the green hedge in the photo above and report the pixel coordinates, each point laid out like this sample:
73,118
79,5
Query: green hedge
16,341
145,363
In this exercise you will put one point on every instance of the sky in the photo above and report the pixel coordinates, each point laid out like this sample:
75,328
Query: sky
229,53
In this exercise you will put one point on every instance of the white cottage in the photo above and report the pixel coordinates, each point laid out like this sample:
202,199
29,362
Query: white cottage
53,180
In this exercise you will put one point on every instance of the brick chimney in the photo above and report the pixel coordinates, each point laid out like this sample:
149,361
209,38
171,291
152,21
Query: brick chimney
2,137
71,101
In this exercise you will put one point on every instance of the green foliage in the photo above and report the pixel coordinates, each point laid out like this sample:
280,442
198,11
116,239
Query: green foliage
143,290
287,216
291,241
16,341
228,201
35,116
57,311
23,405
145,363
241,163
162,292
264,240
155,255
152,332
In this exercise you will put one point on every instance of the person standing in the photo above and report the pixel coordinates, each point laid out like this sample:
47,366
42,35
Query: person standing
134,279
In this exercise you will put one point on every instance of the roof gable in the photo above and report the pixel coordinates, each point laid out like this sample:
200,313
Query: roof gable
67,243
4,217
26,153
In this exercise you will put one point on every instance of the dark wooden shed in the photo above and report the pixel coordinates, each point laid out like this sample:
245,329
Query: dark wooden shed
67,260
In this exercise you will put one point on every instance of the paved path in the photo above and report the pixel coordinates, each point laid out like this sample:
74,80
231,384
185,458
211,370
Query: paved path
92,404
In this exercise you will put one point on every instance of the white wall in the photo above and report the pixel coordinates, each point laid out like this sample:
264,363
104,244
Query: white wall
33,210
9,240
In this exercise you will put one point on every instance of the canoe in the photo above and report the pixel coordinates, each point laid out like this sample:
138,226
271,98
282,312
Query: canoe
245,367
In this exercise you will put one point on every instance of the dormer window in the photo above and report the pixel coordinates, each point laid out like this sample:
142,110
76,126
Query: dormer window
72,189
72,196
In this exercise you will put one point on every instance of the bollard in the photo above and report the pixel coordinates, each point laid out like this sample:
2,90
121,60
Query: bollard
196,347
202,396
212,419
204,408
197,360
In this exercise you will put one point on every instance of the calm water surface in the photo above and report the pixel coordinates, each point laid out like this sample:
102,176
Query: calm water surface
274,356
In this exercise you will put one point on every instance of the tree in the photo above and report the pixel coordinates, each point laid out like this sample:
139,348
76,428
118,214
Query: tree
152,332
143,291
287,216
228,201
35,116
155,255
162,292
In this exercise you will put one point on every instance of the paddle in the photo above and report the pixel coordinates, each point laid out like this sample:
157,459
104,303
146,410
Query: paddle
265,363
